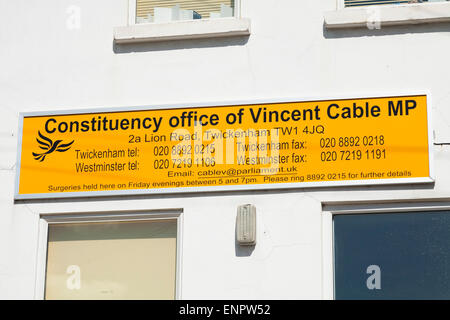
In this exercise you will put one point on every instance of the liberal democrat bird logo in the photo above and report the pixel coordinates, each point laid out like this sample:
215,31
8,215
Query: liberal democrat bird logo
50,147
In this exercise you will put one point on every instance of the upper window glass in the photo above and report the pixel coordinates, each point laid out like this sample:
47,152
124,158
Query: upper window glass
159,11
392,256
112,260
358,3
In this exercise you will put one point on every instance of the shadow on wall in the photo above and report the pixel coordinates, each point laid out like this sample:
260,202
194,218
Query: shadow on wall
243,251
385,31
179,44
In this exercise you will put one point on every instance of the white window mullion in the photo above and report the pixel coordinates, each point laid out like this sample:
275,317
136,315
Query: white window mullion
131,12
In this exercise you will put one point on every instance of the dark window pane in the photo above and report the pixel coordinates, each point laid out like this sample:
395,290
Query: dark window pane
412,251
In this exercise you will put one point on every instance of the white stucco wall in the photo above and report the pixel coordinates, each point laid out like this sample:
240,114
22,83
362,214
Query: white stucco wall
46,66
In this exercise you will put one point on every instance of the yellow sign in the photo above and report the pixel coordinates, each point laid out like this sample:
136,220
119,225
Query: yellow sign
231,147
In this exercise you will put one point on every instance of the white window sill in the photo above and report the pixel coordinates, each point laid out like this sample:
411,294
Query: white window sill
388,15
182,30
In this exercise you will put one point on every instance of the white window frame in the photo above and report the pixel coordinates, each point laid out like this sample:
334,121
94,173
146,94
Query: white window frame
52,218
389,15
181,30
329,209
341,4
132,11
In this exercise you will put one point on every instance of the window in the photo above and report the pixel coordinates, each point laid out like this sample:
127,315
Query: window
377,14
161,11
112,260
171,20
358,3
392,255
